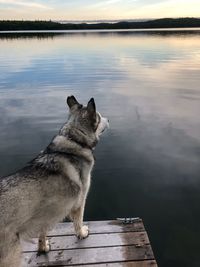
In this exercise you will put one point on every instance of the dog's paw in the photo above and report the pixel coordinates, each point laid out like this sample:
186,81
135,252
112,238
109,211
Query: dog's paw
47,246
44,247
84,232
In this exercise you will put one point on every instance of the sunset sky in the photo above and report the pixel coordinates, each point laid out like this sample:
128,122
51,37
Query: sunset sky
97,9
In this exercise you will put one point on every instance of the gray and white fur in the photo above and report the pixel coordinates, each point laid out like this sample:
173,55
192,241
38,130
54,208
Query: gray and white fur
52,186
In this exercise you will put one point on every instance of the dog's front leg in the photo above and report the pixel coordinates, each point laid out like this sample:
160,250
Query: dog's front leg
43,244
76,215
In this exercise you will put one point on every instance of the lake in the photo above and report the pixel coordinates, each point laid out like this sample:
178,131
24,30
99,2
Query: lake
148,84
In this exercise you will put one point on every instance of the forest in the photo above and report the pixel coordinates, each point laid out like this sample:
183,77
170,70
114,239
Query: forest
22,25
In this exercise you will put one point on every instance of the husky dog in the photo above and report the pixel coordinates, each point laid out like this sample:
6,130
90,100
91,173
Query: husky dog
52,186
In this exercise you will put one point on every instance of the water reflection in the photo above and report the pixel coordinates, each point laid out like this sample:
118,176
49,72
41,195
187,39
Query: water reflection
147,83
52,34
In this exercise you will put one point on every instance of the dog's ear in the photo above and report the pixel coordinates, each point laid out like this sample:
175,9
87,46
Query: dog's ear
73,103
91,108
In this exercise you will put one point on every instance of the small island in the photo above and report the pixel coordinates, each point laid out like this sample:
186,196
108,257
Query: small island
21,25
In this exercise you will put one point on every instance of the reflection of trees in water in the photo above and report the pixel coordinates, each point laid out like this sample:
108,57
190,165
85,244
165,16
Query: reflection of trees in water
28,35
51,35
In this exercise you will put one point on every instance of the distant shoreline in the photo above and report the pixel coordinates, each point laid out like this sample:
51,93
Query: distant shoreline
17,25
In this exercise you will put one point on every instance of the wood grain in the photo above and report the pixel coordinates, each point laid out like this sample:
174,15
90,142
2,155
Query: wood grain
110,244
90,256
103,240
98,227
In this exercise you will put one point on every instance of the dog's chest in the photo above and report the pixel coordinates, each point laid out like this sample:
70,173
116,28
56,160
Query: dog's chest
85,172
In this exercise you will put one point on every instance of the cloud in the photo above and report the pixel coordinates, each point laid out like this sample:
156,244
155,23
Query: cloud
104,4
24,4
97,9
164,8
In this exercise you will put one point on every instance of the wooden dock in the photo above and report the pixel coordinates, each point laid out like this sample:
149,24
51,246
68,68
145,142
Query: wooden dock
110,243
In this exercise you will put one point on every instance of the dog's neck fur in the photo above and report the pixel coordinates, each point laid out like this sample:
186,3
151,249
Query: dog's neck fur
63,144
81,138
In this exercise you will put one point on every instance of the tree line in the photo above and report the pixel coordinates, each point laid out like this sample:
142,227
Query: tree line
22,25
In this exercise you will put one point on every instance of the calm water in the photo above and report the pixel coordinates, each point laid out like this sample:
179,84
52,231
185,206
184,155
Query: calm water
148,84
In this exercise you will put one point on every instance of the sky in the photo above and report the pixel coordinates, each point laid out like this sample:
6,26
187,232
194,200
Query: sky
97,9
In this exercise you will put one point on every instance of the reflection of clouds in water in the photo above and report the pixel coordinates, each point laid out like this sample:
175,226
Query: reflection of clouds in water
162,158
8,68
78,71
154,138
34,106
66,55
168,91
144,84
19,55
168,73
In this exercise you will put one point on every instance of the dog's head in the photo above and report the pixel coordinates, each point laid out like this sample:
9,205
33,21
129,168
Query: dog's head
86,119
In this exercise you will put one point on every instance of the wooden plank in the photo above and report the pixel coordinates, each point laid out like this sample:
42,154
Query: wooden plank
145,263
98,227
89,256
103,240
